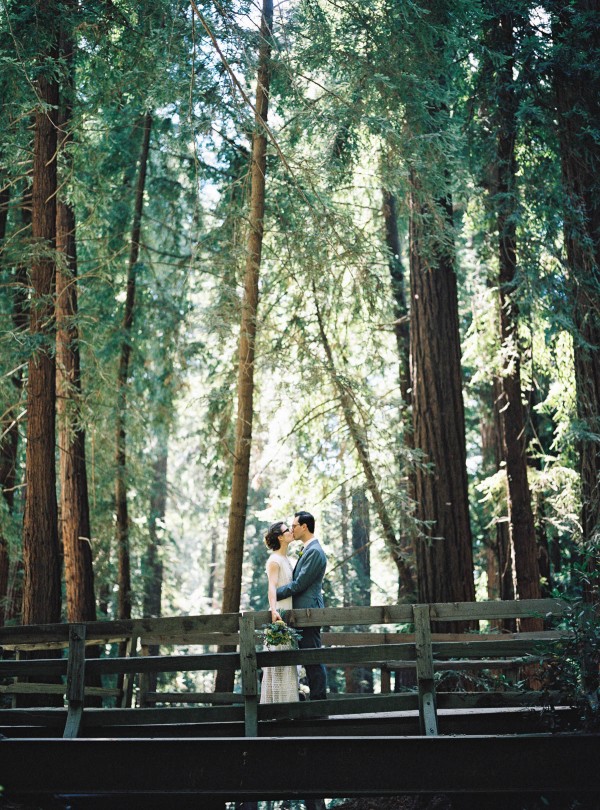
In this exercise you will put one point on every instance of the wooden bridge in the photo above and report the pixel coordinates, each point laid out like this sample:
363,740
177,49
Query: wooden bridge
148,743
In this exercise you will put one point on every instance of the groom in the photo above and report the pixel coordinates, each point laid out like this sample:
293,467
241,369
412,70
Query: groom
306,590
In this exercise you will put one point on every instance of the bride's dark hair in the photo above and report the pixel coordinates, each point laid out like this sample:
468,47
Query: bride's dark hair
272,536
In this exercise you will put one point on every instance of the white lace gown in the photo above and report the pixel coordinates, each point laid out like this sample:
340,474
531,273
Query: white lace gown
280,684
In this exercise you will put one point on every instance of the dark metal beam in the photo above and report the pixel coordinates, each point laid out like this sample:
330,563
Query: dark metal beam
236,768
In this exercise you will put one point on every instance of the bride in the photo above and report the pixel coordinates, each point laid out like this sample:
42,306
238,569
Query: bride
279,684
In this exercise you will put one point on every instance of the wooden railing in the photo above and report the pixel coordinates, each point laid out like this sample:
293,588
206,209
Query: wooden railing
381,646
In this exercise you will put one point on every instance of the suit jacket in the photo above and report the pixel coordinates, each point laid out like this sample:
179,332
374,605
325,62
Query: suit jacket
306,588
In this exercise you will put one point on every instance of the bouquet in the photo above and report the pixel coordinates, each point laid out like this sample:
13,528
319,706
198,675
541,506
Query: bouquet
278,633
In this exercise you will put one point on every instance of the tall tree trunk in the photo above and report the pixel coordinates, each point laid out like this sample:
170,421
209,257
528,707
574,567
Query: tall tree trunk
359,439
360,679
346,555
153,579
444,552
402,331
246,350
153,567
122,526
521,522
499,552
210,588
577,87
74,512
401,325
41,553
361,539
8,447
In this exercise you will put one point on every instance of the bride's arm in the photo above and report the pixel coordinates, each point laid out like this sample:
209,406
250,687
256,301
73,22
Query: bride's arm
273,575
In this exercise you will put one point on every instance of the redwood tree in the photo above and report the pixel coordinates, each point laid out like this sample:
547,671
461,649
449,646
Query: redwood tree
41,554
504,203
444,547
444,553
246,347
74,504
577,87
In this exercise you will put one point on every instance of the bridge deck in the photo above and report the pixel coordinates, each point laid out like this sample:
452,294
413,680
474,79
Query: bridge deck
235,768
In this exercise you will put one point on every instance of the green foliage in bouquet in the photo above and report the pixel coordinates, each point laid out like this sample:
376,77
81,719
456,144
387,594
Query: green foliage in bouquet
279,633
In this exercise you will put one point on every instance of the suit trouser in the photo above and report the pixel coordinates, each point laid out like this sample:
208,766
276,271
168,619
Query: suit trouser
316,674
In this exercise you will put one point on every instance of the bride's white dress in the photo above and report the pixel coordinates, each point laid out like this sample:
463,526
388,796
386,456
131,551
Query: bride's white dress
280,684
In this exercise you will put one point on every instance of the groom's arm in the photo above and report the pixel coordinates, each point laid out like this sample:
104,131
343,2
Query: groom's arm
312,570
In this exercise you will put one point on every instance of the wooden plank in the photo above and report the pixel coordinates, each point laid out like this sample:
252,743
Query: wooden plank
199,638
491,649
514,609
129,674
362,639
29,688
170,625
76,663
193,697
495,700
144,677
385,614
59,645
75,680
346,705
249,674
338,655
233,768
425,683
164,663
38,667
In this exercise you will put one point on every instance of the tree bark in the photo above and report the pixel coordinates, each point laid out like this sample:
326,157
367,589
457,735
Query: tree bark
499,551
122,523
521,522
246,351
74,512
444,552
402,332
401,325
361,538
153,579
577,87
41,554
234,551
8,448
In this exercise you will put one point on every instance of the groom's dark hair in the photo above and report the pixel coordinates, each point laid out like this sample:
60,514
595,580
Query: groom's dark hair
306,517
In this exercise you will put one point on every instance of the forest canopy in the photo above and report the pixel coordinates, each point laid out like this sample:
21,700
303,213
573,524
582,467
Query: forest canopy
318,255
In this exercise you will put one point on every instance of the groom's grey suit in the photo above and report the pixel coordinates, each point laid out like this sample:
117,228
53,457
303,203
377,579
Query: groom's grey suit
306,590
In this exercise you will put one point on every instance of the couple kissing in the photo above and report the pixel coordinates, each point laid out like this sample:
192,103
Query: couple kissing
297,587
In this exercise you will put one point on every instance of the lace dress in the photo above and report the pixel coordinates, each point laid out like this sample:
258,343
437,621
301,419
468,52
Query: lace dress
280,684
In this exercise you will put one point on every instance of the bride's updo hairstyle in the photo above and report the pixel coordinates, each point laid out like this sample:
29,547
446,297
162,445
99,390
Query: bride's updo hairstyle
272,536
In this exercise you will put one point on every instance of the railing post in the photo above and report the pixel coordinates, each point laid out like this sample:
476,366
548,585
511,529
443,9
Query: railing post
427,706
144,678
75,679
249,674
129,677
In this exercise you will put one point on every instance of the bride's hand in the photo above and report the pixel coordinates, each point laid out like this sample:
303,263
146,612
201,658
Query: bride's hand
275,617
